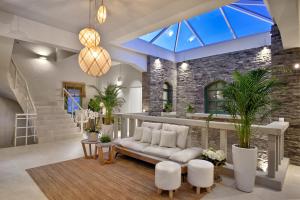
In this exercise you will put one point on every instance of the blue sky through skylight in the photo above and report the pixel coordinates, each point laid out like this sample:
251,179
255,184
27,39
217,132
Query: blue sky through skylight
240,19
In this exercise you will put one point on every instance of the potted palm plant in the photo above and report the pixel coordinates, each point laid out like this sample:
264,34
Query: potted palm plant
112,102
247,99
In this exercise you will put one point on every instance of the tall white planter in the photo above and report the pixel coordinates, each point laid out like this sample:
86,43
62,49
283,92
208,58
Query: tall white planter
108,130
244,165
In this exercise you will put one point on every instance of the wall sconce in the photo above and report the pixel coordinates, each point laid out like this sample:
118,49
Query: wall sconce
184,66
119,81
296,66
157,64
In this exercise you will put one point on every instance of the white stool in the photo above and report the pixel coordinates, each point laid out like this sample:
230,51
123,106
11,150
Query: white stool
167,176
200,174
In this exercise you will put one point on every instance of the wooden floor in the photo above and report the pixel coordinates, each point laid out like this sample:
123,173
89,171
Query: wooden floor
87,179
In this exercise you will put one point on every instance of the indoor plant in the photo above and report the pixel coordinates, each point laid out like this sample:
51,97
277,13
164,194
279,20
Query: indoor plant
217,158
92,131
247,98
105,139
168,107
112,102
190,108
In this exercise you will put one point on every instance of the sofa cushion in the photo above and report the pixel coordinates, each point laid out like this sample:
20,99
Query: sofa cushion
182,133
168,139
151,125
163,152
186,155
155,137
133,145
147,135
119,141
138,133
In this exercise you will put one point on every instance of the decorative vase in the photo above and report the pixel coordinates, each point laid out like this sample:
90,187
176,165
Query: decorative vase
92,136
217,172
244,165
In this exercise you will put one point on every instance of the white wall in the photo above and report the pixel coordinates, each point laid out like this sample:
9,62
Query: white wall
131,86
8,110
45,77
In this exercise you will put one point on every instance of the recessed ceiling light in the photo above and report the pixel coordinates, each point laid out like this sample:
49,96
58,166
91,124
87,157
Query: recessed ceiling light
170,33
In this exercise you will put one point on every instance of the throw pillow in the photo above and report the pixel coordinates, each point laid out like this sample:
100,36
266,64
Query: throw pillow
147,135
138,133
168,139
155,137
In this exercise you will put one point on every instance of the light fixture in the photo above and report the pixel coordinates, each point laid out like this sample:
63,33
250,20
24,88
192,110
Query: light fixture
296,66
184,66
191,39
157,64
89,37
170,33
43,58
101,15
94,61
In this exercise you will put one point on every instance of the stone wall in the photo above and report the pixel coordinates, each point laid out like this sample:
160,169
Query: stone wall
192,80
289,94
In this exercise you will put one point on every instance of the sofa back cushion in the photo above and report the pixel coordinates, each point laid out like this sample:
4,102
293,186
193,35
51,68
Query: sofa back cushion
155,137
138,133
152,125
182,134
168,139
147,135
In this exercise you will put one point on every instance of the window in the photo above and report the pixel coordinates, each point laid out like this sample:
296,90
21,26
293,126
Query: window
77,91
76,95
214,100
167,94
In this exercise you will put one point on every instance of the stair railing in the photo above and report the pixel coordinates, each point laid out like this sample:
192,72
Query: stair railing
81,113
24,121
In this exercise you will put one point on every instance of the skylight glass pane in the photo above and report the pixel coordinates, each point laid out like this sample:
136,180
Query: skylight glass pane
211,27
245,25
187,40
262,10
168,38
148,37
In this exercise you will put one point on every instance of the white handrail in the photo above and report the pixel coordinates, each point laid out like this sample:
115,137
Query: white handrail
18,72
72,106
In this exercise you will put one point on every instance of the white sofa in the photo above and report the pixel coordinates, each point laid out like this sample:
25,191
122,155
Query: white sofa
182,153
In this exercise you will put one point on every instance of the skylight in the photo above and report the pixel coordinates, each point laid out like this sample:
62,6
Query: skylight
240,19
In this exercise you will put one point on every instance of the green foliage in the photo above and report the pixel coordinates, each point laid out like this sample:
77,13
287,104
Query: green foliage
168,107
249,97
94,104
111,101
105,139
190,109
209,118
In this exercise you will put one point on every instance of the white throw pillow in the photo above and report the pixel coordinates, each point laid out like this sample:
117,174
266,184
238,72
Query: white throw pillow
186,155
182,133
152,125
155,137
168,139
138,133
147,135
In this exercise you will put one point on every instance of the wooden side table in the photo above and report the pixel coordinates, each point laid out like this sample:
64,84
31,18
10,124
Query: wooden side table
90,143
111,152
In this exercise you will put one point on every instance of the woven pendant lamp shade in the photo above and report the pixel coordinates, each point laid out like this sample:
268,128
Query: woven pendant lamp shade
101,15
94,61
89,37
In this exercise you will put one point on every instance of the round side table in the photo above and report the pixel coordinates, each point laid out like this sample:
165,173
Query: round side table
90,143
111,152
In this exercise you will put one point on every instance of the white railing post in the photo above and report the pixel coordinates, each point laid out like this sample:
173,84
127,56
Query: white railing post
124,127
223,141
16,130
204,138
131,126
26,129
116,126
81,122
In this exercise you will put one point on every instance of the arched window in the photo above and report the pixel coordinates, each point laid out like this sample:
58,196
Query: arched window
214,100
167,94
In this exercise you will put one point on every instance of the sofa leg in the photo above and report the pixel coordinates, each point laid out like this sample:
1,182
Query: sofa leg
171,194
198,190
208,189
159,191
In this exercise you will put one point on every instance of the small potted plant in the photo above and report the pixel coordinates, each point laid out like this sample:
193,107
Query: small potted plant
190,108
92,131
168,107
217,158
105,138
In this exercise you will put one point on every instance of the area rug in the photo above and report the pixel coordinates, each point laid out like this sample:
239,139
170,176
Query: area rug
86,179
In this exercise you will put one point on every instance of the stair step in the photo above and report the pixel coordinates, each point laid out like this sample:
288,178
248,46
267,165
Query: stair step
50,132
52,138
56,102
51,126
53,116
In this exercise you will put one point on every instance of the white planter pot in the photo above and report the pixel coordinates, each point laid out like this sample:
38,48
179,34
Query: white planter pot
244,165
108,130
92,136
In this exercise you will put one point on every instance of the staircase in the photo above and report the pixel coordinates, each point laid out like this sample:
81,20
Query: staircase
54,123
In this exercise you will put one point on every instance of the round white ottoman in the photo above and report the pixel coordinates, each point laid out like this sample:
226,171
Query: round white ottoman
200,174
167,176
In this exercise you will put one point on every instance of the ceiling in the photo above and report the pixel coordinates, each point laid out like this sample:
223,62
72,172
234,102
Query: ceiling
126,18
239,19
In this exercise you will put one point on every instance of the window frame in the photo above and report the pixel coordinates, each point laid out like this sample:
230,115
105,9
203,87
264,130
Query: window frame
208,101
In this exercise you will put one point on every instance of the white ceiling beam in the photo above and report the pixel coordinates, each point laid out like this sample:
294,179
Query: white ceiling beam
159,34
250,13
177,36
228,23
